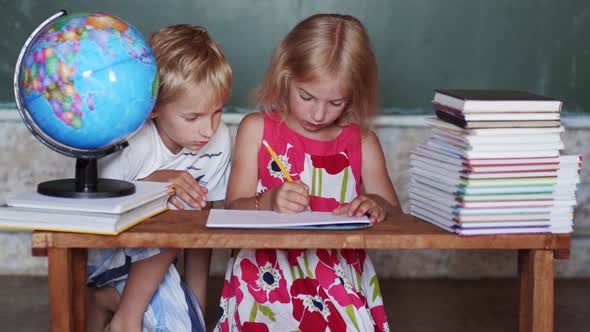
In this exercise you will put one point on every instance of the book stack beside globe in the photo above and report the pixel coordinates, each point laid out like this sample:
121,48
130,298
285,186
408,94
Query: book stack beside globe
493,165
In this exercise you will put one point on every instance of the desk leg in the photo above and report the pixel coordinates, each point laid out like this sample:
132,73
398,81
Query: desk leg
78,273
60,292
535,269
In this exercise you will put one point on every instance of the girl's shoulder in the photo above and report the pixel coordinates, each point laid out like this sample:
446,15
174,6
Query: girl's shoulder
260,120
371,146
251,127
252,121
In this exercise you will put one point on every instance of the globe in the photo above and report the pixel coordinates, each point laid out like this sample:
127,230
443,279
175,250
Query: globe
84,83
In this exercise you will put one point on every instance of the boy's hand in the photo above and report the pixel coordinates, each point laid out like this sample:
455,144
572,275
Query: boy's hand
361,205
185,186
290,197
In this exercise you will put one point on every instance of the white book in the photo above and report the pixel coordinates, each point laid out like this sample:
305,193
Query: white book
467,174
457,152
503,140
482,231
561,229
451,209
79,221
460,189
274,220
483,224
145,191
446,177
553,224
497,147
501,151
512,224
436,123
452,200
510,116
487,101
553,217
426,153
447,191
553,221
457,158
486,231
454,203
462,165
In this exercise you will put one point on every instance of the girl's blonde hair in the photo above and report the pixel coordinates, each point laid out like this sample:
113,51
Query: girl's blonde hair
188,57
325,45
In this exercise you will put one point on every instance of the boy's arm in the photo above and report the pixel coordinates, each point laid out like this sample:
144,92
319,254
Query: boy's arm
218,170
118,165
127,164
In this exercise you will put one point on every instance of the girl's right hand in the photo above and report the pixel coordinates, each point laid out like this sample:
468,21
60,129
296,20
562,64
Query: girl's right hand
290,197
185,187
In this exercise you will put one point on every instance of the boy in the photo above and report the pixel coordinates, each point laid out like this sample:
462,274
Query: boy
185,143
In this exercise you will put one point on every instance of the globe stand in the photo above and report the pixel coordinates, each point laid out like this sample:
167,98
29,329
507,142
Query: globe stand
86,184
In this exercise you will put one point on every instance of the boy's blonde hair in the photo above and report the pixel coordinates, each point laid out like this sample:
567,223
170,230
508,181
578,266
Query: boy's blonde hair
325,45
188,57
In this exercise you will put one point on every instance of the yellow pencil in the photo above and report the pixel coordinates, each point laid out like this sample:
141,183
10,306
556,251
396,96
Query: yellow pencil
276,159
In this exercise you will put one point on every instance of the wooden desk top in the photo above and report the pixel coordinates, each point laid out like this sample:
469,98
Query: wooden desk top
186,229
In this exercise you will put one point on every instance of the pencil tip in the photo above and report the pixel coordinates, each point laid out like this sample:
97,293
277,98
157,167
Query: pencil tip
264,142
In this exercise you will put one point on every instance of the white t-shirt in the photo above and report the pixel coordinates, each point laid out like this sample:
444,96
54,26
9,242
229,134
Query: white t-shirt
147,153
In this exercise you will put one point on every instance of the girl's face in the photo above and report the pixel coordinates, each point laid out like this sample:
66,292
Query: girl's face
315,105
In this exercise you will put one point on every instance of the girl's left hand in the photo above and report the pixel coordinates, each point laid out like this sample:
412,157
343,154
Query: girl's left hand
361,205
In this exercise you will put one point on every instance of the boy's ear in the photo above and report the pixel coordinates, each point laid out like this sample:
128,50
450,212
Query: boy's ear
153,115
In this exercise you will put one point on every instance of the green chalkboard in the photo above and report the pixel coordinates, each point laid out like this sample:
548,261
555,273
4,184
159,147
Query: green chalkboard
537,45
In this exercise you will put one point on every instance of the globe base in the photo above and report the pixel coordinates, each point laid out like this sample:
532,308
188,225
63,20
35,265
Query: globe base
68,188
86,184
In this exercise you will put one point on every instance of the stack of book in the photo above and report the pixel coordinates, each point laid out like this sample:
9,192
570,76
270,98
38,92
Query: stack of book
493,165
109,216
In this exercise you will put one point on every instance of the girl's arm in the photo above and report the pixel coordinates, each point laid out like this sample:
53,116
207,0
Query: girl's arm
375,179
378,198
243,178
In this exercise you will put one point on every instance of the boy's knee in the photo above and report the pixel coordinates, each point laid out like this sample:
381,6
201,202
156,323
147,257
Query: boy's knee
104,298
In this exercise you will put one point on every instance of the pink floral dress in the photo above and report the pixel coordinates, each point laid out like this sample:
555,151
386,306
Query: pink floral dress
297,289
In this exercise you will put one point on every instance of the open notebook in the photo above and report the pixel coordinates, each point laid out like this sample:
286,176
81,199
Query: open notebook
275,220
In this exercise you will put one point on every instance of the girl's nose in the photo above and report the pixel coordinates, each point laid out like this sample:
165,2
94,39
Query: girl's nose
319,113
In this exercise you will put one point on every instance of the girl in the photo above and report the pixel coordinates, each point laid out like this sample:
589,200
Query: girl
318,95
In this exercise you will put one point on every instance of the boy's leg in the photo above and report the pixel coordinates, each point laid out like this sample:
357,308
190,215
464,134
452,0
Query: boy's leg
101,303
143,280
196,270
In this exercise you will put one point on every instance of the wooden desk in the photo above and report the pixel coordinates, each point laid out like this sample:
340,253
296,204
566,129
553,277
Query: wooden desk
186,229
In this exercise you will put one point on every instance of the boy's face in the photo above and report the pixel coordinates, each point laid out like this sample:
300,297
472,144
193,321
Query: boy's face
189,121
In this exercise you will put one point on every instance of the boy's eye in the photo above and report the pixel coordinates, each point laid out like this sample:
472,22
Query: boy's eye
191,118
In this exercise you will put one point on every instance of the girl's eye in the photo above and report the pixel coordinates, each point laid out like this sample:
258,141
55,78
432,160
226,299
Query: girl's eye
305,98
337,104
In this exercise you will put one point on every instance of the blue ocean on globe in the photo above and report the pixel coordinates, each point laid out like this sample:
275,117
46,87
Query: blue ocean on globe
88,80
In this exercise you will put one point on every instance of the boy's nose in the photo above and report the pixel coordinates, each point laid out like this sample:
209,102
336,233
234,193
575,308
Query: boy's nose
207,129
